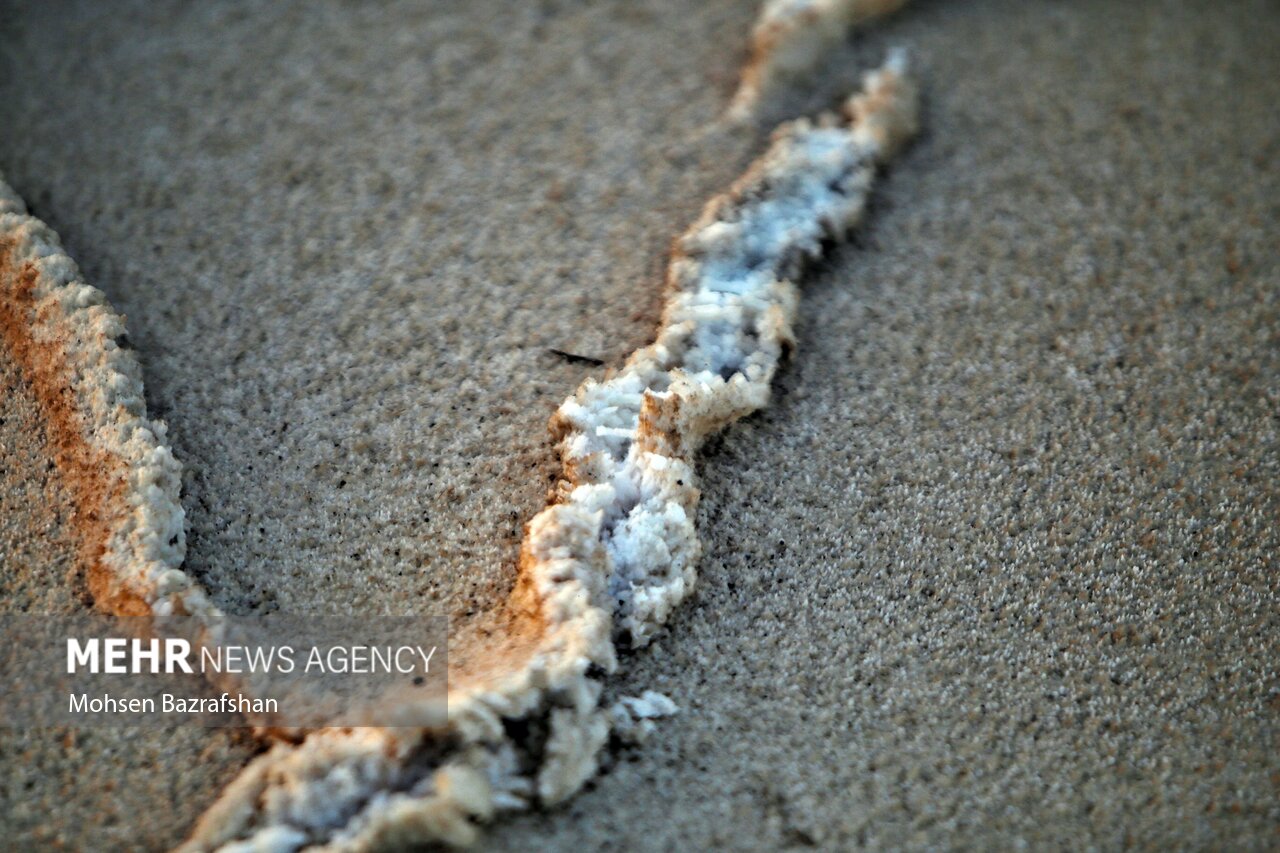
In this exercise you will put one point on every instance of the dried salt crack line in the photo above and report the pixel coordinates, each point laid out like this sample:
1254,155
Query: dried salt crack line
791,37
70,344
618,550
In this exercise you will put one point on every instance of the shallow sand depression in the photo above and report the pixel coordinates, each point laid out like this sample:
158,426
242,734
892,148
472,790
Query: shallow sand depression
1005,545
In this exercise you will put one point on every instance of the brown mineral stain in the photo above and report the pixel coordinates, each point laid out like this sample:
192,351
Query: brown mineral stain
95,478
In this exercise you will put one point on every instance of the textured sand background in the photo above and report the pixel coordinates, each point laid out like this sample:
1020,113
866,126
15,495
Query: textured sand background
999,563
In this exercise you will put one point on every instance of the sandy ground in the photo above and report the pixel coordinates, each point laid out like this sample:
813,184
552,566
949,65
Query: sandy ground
999,564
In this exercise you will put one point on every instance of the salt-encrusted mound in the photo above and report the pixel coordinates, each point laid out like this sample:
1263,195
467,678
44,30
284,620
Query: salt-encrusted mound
791,37
72,348
617,550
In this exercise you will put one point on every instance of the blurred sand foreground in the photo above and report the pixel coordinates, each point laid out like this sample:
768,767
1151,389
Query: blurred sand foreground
999,562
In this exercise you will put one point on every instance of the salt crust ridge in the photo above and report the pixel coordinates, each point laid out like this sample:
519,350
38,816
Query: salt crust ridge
617,550
74,341
789,39
62,315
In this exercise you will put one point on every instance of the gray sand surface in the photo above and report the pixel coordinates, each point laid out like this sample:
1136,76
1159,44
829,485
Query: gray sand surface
37,541
998,564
